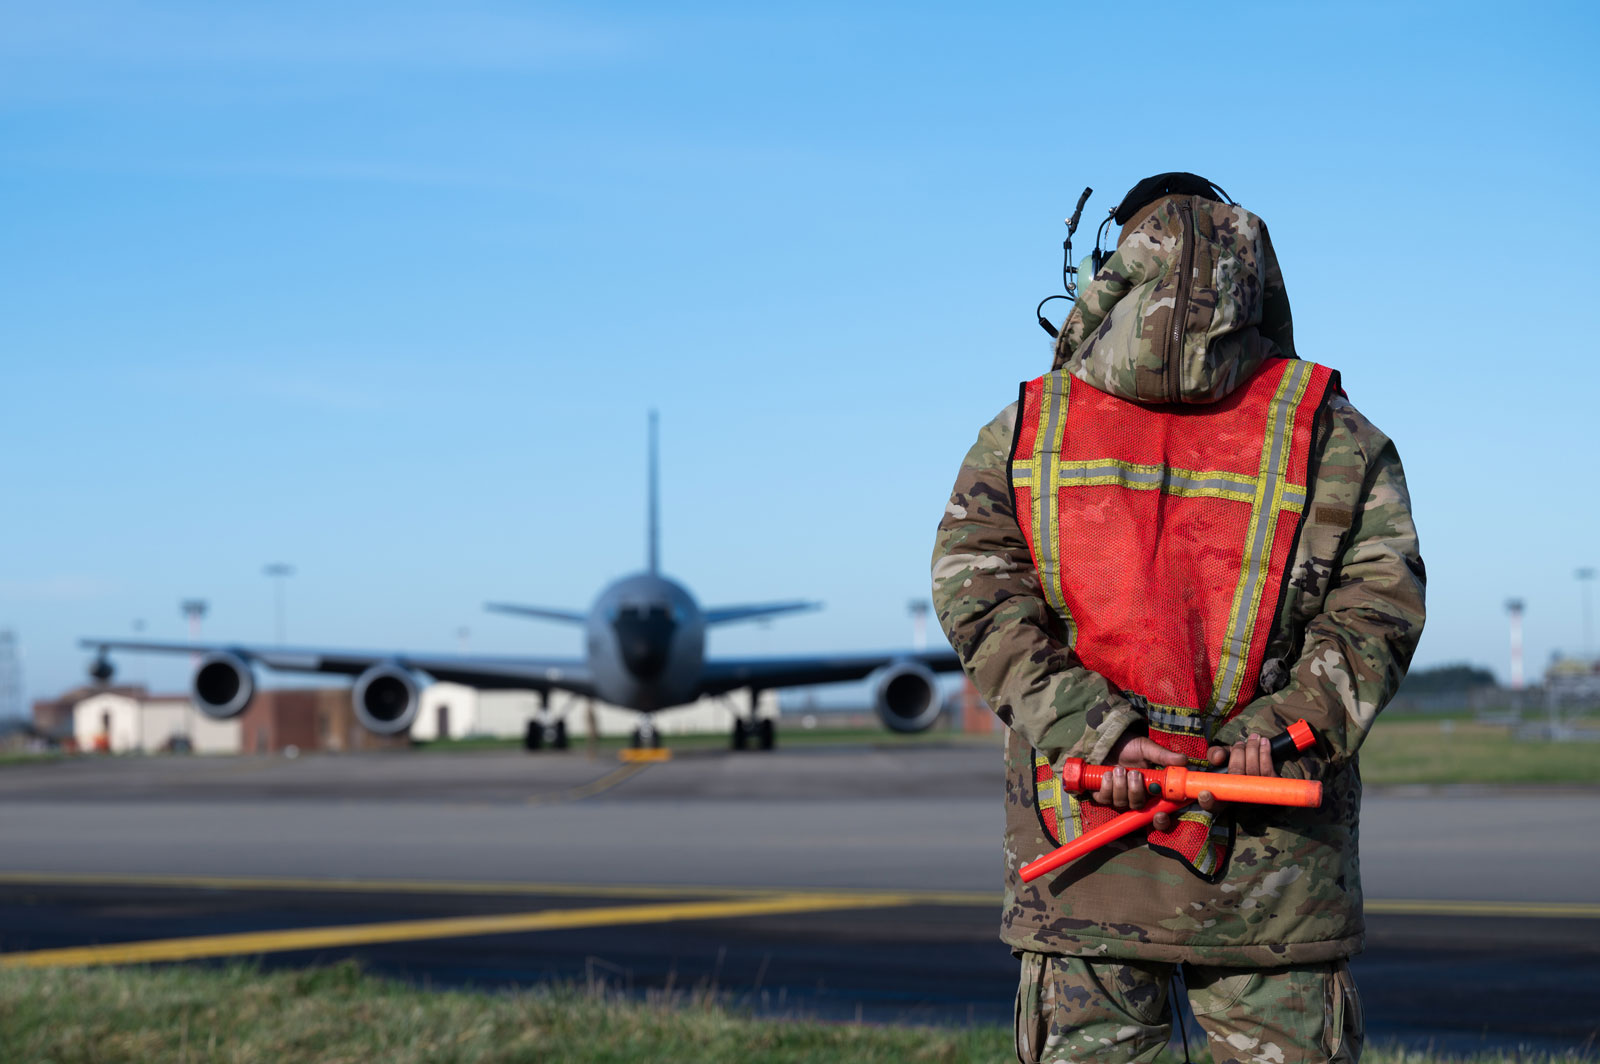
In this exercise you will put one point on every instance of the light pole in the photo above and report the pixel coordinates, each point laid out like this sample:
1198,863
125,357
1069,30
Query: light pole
194,610
1585,577
919,624
279,572
1514,608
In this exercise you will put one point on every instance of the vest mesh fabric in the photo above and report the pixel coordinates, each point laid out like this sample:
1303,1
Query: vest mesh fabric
1161,534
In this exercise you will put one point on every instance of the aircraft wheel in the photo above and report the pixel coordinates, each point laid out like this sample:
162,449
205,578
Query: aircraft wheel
741,734
637,739
533,738
766,733
655,739
559,738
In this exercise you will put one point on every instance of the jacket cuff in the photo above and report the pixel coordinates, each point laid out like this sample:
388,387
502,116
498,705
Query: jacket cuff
1114,727
1309,764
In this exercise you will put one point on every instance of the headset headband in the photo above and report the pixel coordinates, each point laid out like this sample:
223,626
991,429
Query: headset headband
1176,183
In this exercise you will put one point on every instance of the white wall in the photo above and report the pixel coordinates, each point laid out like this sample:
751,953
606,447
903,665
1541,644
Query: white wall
113,715
461,704
148,725
161,721
505,714
714,715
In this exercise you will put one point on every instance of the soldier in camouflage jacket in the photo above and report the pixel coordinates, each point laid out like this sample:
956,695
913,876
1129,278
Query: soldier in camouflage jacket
1264,944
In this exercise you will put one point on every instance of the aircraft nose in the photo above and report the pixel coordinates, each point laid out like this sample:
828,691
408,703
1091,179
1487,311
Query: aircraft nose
644,636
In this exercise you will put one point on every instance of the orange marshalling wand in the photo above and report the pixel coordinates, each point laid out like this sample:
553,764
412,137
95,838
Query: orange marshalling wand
1177,787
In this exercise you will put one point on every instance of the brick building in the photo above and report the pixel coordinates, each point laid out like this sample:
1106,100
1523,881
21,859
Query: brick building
320,718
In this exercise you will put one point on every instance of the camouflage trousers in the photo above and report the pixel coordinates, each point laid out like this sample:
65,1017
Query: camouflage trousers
1072,1009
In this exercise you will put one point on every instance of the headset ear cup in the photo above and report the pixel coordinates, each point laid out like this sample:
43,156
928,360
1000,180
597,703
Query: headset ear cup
1089,267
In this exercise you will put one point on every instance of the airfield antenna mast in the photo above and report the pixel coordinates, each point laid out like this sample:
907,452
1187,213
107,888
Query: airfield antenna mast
654,531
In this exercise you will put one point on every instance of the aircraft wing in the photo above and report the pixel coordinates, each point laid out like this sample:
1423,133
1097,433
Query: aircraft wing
729,674
755,611
482,671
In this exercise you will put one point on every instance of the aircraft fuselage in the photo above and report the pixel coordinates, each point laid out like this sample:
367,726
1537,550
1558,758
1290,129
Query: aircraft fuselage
646,642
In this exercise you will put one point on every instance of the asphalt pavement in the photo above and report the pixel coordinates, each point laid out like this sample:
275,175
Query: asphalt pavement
833,882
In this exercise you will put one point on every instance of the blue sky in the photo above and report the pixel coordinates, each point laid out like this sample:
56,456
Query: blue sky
386,290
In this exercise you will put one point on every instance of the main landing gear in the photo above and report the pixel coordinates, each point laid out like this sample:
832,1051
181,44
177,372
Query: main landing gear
763,733
545,733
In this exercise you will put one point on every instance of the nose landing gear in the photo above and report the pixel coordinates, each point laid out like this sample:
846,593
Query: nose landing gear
645,736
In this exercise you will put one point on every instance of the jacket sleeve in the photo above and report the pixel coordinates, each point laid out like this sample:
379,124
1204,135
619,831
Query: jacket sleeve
1358,646
1011,642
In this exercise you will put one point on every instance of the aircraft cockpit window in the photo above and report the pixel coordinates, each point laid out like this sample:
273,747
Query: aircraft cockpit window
644,635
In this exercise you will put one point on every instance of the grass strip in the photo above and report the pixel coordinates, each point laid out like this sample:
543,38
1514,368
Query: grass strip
1405,749
1455,751
1432,750
336,1015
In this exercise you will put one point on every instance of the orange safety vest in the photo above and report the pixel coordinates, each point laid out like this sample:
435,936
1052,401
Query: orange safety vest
1161,534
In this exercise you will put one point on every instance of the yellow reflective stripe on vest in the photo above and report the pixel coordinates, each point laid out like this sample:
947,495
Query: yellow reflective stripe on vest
1269,501
1038,474
1110,472
1269,494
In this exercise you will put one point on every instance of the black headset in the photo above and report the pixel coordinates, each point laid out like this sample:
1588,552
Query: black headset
1173,183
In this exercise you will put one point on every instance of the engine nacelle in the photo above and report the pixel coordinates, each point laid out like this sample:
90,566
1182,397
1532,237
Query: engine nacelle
223,685
905,696
386,698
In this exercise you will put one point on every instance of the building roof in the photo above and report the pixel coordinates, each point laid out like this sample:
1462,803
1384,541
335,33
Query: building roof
77,694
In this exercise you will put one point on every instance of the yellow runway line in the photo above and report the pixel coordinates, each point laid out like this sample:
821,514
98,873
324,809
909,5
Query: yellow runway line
252,943
590,789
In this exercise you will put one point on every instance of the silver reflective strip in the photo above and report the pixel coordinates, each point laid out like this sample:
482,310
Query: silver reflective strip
1207,484
1160,477
1177,721
1116,471
1236,644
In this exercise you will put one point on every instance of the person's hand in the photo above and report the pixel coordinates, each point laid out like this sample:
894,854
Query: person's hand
1124,786
1250,756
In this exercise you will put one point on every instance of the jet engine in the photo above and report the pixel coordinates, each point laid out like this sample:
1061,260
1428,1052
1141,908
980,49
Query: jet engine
905,696
223,685
386,699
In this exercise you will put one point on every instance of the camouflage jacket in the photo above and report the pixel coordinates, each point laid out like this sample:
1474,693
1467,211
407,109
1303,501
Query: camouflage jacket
1342,637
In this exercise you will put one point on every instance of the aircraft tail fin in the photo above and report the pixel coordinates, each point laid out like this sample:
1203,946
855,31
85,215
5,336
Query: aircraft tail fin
653,531
755,611
540,612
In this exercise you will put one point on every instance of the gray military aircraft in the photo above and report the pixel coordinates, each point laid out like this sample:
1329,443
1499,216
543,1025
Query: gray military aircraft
645,641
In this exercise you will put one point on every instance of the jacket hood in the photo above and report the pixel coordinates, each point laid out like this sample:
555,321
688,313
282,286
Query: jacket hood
1188,306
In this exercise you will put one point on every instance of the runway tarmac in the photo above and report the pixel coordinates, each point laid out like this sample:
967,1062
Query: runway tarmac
827,881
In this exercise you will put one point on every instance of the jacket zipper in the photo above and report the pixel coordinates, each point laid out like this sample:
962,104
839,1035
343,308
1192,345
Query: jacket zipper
1180,303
